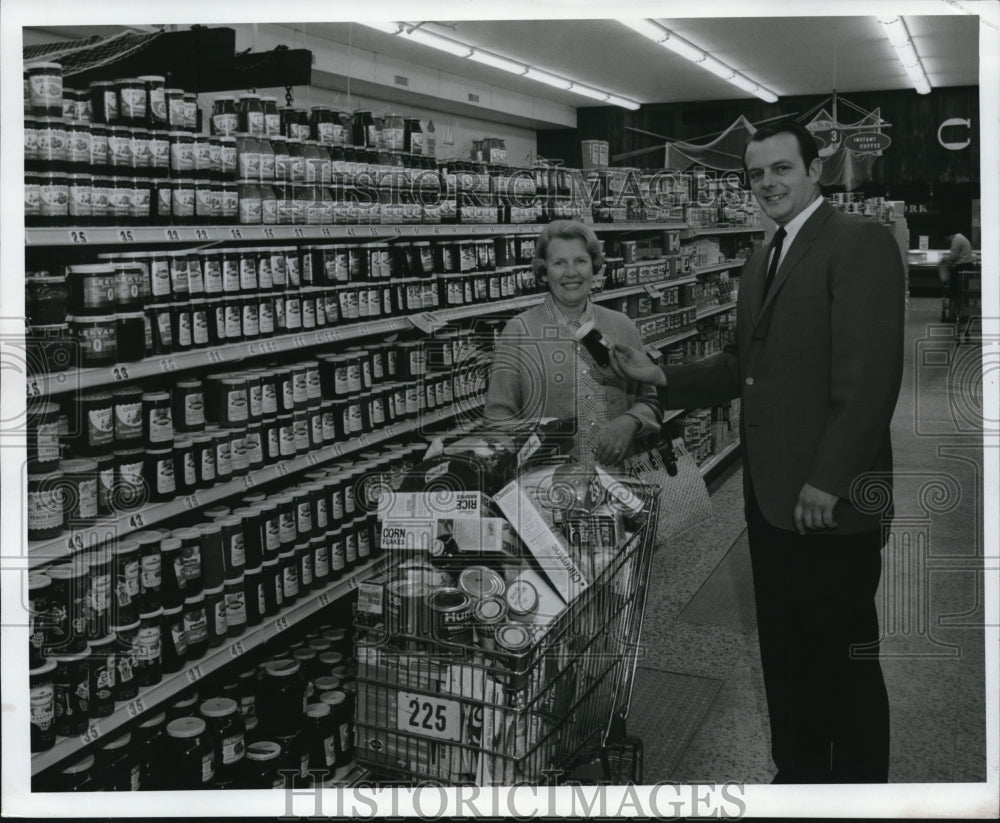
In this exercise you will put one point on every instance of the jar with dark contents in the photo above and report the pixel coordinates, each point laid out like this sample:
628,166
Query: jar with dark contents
282,695
103,675
126,685
226,726
215,614
43,705
173,640
150,741
192,754
148,649
117,769
195,626
71,681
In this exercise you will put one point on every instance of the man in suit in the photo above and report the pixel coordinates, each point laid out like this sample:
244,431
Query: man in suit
817,363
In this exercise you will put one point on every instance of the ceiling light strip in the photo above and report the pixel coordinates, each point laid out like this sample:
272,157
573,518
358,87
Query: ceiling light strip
899,36
459,49
678,45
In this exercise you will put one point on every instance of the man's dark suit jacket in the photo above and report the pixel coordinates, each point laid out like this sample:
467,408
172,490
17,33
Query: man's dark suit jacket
818,366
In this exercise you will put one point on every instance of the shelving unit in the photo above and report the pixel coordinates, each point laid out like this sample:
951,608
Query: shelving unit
138,235
173,684
41,553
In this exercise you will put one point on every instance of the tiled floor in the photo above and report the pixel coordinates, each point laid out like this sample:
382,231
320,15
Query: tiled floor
930,599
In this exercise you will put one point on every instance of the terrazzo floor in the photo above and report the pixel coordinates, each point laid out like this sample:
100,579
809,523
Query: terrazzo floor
699,616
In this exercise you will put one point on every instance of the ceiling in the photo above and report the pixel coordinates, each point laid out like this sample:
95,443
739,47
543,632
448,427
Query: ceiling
789,55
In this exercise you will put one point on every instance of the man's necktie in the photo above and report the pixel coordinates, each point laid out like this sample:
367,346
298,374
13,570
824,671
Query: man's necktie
776,242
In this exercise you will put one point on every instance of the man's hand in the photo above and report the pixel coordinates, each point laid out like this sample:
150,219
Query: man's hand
632,364
814,510
614,440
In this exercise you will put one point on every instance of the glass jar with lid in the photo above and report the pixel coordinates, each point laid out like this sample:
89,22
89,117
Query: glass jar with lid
392,132
272,120
103,102
413,136
131,101
296,161
224,120
282,168
156,103
363,129
321,124
251,115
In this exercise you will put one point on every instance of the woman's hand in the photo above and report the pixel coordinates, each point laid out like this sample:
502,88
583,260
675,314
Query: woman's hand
615,439
633,364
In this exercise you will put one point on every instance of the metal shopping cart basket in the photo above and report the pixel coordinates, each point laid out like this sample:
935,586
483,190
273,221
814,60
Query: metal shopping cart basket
461,714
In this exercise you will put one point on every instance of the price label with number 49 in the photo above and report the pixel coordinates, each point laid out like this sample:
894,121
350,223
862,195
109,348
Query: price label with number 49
429,716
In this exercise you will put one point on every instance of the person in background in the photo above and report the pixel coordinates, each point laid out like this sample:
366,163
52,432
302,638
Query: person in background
540,370
959,251
817,364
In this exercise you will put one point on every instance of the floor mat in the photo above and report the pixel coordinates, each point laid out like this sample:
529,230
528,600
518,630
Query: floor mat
667,710
726,597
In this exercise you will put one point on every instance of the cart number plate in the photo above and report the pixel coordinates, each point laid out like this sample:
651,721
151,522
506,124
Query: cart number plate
429,716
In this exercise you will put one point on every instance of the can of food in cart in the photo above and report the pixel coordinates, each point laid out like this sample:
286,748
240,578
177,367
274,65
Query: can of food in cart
451,616
513,641
522,600
481,581
489,613
406,611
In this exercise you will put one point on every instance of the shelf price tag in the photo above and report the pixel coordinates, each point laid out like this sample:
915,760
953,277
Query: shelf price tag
326,232
425,322
93,733
281,624
194,673
120,373
136,521
191,502
373,231
351,231
77,236
268,233
324,599
236,234
168,364
429,716
32,388
202,234
125,236
171,235
136,707
237,649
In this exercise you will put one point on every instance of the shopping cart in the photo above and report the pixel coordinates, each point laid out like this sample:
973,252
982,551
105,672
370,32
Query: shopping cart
458,714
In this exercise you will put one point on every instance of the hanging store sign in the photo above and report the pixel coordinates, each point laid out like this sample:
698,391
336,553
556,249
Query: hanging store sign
867,142
954,145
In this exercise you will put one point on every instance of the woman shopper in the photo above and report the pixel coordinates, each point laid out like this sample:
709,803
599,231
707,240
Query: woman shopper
540,369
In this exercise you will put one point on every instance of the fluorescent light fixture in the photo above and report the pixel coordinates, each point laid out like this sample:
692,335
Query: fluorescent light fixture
586,91
718,68
647,28
678,45
436,41
899,36
388,28
497,62
624,102
548,79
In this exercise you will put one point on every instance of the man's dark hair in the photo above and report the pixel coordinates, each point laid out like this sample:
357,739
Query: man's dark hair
807,143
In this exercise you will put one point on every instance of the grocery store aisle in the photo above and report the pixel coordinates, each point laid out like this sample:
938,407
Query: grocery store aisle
699,704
